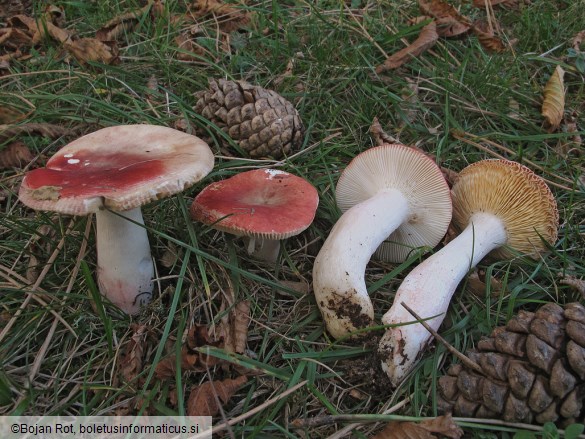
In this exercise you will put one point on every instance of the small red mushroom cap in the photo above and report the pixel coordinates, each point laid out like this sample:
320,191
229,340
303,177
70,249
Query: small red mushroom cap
120,167
263,203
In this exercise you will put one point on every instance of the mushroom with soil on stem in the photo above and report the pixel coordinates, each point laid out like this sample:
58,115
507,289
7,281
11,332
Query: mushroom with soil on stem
502,207
389,194
112,172
263,205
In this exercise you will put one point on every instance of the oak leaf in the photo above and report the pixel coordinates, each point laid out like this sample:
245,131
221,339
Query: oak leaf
447,27
553,106
16,154
441,425
204,400
426,39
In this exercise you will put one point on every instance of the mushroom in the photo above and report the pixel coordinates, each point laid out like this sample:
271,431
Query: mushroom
389,193
264,205
112,172
502,207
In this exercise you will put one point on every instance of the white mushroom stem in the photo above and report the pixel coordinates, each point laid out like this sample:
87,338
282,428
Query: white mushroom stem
125,269
428,290
338,272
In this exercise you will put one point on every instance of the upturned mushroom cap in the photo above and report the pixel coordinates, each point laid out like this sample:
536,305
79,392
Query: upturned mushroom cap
262,203
417,177
120,167
513,193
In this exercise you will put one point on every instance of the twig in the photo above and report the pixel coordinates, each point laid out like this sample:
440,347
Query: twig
465,360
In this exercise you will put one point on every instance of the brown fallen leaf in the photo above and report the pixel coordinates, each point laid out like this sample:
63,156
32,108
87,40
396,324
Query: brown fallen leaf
10,115
87,50
553,106
441,425
122,24
186,41
205,400
573,144
426,39
191,358
439,9
15,155
14,7
577,284
131,361
487,39
229,18
476,284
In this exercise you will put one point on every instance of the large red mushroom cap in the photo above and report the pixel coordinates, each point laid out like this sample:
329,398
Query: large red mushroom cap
120,167
263,203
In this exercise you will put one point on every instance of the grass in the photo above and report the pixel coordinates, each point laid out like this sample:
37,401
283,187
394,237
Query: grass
58,356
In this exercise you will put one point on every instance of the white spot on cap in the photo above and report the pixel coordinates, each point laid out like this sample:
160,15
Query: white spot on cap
73,161
86,163
68,155
273,172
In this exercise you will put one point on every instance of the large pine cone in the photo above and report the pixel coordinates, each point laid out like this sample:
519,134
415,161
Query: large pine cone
260,121
533,370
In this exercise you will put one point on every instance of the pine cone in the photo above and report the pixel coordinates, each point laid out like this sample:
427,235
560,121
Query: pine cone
533,370
260,121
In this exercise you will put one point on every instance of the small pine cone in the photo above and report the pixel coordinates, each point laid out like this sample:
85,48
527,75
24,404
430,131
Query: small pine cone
260,121
533,370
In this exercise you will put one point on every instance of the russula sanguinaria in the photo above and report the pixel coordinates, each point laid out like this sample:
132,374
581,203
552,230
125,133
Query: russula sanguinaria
112,172
389,193
263,205
501,206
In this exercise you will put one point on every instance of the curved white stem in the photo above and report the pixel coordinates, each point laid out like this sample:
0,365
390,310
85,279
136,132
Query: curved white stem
428,290
338,273
125,269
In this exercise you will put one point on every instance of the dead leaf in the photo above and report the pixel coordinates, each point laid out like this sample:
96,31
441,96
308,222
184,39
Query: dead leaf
15,155
426,39
578,40
442,425
410,102
191,358
228,17
577,284
121,25
477,285
439,9
241,320
553,106
379,135
87,50
487,39
9,8
131,361
189,49
204,400
10,115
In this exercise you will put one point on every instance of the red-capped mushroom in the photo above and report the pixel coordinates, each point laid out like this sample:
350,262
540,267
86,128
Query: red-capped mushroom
265,205
119,169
